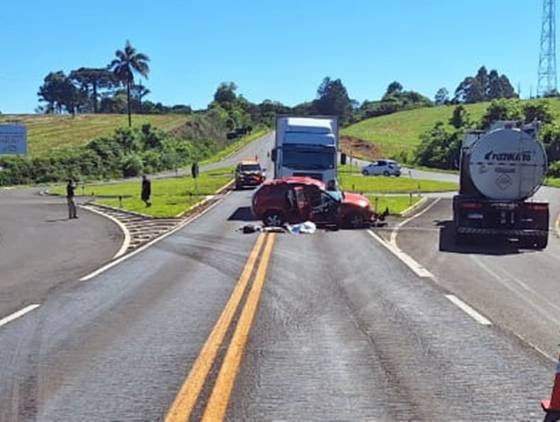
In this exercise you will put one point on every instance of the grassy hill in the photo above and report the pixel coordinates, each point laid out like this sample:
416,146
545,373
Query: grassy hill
46,132
401,131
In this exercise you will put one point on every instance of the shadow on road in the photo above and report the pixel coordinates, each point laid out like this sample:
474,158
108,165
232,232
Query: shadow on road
242,214
482,246
56,220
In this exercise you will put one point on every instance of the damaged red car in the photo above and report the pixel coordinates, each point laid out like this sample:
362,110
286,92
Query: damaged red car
298,199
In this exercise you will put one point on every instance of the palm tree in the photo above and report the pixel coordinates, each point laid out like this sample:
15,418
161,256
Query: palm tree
127,63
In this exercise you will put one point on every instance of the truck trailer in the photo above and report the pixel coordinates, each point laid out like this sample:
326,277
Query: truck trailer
500,171
306,146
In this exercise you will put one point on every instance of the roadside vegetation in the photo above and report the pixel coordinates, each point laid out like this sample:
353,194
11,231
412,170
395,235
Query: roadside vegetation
170,196
397,135
46,132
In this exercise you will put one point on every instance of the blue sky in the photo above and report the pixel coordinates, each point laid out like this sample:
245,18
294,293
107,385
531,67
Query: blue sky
279,50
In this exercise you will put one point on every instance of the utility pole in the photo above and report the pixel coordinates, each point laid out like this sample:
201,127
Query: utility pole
547,83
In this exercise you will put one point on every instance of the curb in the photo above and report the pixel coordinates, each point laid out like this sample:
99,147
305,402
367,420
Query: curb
126,233
205,200
145,246
414,207
137,214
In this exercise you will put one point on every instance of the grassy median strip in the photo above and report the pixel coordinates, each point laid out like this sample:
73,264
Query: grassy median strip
382,184
169,198
395,204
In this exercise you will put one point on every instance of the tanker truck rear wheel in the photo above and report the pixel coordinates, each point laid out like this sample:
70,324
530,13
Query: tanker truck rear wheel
540,242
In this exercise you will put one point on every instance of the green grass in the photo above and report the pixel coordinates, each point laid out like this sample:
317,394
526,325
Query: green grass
46,132
401,131
169,198
382,184
348,169
395,204
553,182
237,145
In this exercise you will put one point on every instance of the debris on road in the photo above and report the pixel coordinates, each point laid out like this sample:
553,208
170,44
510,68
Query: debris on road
307,227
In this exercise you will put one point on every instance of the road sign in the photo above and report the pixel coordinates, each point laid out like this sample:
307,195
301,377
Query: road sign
13,139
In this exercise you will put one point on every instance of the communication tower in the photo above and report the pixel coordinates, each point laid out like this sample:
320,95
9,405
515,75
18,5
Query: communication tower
547,84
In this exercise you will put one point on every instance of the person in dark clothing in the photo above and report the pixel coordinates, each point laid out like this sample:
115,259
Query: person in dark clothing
70,188
146,190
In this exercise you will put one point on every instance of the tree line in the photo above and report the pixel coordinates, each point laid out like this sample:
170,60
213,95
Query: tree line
109,89
484,86
440,146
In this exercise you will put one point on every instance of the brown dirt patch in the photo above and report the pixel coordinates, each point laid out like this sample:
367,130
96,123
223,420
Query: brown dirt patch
359,148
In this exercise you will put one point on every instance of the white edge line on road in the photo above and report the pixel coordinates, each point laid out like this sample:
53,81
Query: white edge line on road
152,242
408,220
414,207
18,314
418,269
468,310
126,240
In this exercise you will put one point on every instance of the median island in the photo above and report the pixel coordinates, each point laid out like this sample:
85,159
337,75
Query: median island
394,193
170,196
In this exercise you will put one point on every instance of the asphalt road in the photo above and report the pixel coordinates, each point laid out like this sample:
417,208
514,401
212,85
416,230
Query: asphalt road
217,324
516,288
41,250
344,331
330,326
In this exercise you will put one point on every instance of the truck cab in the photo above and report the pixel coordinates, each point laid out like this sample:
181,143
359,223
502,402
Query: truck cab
306,147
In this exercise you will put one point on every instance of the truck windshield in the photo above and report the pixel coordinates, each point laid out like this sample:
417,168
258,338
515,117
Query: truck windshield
250,167
308,159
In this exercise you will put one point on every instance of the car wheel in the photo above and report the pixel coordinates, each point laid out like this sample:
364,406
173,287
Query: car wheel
386,173
355,221
365,173
273,219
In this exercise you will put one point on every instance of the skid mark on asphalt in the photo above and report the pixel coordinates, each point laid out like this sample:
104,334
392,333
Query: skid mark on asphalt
149,244
189,393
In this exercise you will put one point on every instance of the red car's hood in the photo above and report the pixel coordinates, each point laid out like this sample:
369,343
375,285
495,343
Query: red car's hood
355,199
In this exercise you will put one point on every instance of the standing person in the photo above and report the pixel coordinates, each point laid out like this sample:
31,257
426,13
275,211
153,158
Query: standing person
70,188
146,190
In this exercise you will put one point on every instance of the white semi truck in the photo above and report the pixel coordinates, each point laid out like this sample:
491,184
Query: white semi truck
306,146
501,169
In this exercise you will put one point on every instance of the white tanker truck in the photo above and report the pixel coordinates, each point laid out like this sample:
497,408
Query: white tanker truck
500,170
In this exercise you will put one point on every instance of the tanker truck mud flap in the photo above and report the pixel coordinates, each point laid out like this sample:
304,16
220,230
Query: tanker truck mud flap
524,222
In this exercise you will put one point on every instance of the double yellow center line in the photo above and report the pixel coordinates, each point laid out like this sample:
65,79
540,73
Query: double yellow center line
188,395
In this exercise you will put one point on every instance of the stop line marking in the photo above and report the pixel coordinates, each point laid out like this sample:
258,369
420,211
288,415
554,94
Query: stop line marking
18,314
